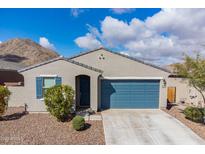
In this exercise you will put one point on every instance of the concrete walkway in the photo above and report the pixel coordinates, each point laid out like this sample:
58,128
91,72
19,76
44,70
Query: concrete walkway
145,127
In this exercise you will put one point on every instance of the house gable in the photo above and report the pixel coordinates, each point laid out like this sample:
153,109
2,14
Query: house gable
117,53
116,64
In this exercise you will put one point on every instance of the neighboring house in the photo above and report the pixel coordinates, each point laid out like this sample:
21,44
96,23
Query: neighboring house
102,79
9,75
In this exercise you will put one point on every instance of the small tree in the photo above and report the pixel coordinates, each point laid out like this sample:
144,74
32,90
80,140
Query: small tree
59,101
193,69
4,97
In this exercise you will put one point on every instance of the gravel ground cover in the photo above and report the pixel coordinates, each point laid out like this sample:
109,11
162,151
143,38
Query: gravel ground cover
42,128
198,128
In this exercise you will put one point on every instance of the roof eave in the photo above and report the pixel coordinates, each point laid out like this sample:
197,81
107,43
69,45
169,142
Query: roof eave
60,58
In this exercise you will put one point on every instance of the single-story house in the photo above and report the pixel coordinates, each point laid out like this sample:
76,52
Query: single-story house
102,79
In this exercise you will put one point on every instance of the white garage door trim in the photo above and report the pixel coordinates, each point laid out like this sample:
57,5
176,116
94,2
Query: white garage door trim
133,77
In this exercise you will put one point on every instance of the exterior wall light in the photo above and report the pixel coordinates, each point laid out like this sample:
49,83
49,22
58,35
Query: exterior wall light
164,83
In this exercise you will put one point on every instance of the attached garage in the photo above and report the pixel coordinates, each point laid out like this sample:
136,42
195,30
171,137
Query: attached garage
129,94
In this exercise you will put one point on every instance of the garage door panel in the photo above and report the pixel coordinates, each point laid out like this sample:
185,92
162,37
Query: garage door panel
129,94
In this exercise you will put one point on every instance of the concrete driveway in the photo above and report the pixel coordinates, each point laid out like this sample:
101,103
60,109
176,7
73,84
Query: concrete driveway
145,127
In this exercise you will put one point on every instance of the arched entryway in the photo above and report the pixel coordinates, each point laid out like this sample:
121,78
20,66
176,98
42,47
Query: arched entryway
82,91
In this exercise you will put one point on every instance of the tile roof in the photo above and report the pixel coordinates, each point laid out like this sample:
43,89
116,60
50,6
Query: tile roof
70,59
8,65
61,58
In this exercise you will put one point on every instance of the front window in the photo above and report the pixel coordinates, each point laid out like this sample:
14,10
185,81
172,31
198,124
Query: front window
47,83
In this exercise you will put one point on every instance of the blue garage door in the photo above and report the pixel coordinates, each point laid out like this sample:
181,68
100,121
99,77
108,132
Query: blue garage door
128,94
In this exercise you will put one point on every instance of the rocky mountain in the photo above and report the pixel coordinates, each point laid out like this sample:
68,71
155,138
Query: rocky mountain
25,52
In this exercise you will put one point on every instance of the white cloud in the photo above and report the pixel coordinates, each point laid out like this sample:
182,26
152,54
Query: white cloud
184,23
93,30
160,39
124,53
76,12
122,10
88,42
116,32
0,42
45,43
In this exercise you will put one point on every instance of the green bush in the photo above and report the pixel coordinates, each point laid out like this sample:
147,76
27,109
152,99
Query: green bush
78,123
4,98
188,112
59,101
194,114
203,111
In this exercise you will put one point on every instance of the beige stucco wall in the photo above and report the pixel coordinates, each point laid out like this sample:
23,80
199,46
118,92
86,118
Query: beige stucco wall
61,68
182,88
117,66
184,92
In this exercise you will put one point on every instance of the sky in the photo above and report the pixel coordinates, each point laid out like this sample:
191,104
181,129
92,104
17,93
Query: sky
158,36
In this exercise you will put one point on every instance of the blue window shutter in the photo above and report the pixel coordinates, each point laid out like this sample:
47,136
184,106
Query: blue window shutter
58,80
39,87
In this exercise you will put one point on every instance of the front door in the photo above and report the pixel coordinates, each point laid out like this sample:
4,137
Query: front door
171,94
84,91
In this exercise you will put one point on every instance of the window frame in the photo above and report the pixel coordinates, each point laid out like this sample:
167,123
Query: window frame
40,83
43,84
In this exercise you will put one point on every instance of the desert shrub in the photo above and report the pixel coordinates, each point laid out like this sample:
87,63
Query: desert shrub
78,123
203,111
194,114
59,101
188,112
4,97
